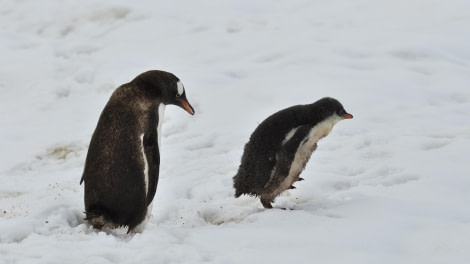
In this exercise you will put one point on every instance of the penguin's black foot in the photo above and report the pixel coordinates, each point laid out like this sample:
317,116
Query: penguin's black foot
300,179
266,203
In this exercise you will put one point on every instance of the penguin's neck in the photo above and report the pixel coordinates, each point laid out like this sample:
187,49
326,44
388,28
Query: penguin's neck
323,128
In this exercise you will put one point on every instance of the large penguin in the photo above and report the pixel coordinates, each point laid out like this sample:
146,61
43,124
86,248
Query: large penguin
280,147
122,165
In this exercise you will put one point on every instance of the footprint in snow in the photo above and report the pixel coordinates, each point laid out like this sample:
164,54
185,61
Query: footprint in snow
435,144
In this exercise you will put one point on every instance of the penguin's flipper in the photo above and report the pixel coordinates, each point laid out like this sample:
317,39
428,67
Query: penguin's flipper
153,158
284,158
153,182
286,155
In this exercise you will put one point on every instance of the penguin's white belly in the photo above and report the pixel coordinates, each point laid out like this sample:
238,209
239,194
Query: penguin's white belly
146,164
305,150
161,113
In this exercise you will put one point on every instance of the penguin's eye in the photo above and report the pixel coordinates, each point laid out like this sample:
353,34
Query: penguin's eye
178,95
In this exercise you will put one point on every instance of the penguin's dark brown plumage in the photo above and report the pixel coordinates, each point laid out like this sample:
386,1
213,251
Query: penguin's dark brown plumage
280,147
123,160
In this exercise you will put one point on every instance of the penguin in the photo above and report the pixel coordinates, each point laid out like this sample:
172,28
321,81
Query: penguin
122,164
280,147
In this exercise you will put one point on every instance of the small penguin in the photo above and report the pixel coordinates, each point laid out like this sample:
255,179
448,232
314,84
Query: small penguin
280,147
123,160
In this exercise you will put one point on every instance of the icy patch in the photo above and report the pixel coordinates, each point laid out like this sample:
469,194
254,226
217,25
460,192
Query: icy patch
65,155
62,152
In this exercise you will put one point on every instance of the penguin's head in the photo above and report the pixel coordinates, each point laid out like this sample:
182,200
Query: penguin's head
166,86
177,95
331,107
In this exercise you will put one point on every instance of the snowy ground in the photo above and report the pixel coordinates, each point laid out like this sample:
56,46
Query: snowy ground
389,186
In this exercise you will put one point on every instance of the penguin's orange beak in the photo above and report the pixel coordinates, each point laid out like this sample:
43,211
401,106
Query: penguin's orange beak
186,106
347,116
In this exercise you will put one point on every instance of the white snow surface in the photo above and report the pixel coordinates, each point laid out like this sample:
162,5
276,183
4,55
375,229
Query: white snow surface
391,185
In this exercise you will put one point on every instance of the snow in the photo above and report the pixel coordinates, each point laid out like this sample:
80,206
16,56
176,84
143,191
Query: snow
389,186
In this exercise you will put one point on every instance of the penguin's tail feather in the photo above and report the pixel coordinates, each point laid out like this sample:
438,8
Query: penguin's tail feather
236,186
240,185
99,218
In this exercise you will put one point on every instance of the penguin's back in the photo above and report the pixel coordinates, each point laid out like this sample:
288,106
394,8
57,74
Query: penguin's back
114,163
